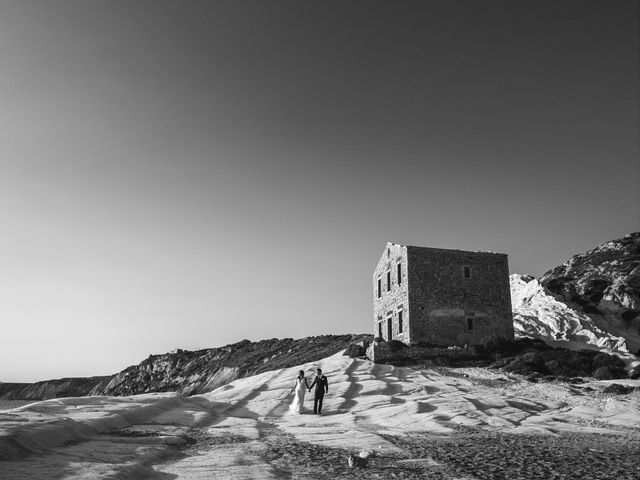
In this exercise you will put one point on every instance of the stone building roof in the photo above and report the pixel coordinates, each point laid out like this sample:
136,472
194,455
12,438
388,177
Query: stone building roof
417,247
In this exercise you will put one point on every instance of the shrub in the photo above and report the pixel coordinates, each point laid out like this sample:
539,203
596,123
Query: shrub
612,363
530,345
606,360
603,373
501,363
518,366
396,345
478,350
579,364
534,360
494,345
526,364
558,367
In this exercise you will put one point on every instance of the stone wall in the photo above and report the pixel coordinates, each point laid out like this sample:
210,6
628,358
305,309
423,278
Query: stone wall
384,352
449,309
386,308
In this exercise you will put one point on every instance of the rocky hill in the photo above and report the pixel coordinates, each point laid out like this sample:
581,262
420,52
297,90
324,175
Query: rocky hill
604,283
538,314
593,299
189,372
61,387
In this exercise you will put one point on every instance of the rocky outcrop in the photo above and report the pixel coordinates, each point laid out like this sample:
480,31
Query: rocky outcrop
189,372
538,314
604,284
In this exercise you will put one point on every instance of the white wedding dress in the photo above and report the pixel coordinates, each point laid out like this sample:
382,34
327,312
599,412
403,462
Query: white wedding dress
298,398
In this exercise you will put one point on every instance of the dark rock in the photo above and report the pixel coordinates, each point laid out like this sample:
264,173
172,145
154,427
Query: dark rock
617,389
355,349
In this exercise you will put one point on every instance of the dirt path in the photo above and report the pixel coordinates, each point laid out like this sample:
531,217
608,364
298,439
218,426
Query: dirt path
468,454
484,455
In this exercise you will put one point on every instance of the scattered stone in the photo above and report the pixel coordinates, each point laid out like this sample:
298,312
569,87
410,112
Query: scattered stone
357,461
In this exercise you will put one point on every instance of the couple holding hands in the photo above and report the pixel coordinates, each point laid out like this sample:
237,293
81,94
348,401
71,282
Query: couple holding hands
322,387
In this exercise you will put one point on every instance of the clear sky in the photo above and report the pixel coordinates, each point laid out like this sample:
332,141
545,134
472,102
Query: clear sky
189,174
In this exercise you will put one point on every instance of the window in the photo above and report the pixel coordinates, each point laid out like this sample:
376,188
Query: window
380,329
399,273
379,288
389,328
388,281
466,271
470,324
400,321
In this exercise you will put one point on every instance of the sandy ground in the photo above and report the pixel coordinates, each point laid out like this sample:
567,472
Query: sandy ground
438,424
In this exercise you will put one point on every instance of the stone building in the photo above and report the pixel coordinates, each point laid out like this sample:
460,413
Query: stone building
441,297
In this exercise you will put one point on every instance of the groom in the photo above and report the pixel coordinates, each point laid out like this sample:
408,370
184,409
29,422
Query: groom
322,387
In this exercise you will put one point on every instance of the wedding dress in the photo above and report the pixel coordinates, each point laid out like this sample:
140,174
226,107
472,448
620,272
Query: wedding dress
298,398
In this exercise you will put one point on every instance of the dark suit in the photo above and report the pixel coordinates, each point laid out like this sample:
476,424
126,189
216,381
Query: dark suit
322,387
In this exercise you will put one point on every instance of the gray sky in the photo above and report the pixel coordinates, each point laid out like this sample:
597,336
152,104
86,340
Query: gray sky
189,174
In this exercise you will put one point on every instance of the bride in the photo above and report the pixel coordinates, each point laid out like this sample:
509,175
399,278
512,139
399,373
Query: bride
300,388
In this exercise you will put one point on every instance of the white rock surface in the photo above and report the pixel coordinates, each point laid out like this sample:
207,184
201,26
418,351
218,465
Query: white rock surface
82,437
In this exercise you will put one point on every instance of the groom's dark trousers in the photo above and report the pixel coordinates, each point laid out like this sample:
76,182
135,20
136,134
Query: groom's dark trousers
322,386
317,402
